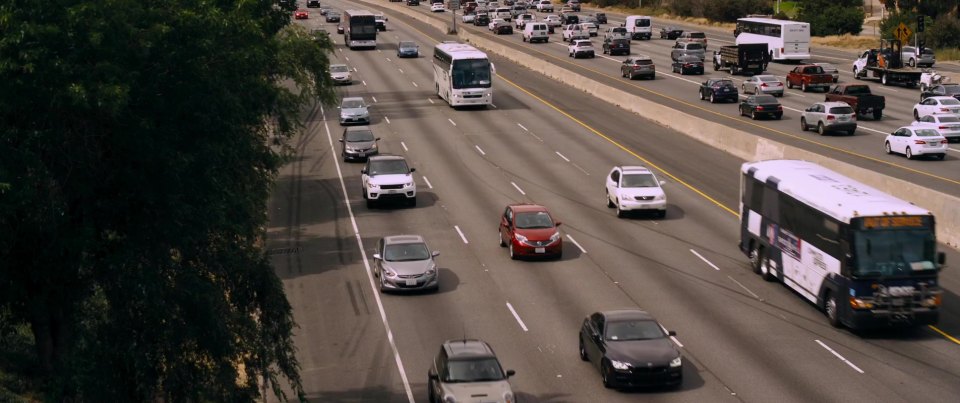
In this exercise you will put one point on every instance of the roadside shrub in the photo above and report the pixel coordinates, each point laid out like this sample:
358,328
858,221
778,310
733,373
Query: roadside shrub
730,10
943,33
686,8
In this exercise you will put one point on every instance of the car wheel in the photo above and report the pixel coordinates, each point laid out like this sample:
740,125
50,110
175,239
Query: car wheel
912,63
383,288
941,156
701,96
886,147
789,84
609,201
755,253
524,39
513,256
916,116
851,132
662,214
820,129
431,395
713,99
803,124
877,114
412,202
909,153
583,351
620,212
830,308
605,375
369,203
753,115
803,86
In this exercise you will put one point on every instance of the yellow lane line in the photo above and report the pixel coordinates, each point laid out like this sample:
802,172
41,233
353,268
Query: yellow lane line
944,334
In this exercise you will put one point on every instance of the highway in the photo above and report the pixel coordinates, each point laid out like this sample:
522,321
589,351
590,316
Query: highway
743,339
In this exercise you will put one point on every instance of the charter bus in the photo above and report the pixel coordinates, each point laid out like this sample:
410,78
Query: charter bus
463,75
866,258
787,40
360,29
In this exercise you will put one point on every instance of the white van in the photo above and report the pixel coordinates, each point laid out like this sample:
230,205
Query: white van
639,26
535,31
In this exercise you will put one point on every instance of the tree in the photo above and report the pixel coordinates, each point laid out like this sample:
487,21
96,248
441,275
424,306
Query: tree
731,10
943,33
832,17
136,165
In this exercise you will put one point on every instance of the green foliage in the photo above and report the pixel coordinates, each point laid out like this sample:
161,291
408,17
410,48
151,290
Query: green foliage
687,8
832,17
943,33
929,8
892,20
731,10
134,149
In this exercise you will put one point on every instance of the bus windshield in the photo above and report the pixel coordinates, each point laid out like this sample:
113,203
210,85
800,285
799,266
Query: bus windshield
893,252
471,73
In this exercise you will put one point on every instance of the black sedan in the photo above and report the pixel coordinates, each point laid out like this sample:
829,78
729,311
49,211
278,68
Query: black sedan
333,16
719,89
505,29
670,33
481,20
757,106
688,64
601,18
630,348
940,90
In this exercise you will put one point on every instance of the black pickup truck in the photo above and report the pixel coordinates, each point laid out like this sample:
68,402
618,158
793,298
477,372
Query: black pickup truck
859,97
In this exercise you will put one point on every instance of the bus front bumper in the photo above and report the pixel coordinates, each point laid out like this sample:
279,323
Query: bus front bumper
879,319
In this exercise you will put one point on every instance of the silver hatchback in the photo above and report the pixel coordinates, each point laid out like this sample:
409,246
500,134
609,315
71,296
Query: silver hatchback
404,263
763,84
829,117
354,110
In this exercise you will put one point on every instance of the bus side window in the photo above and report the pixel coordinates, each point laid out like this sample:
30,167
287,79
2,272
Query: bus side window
770,203
756,196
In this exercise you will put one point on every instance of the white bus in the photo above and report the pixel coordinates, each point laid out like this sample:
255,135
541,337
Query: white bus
360,29
866,258
787,40
463,75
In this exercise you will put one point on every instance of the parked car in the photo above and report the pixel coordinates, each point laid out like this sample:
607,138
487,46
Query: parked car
912,142
358,143
630,348
387,177
528,230
914,57
354,110
687,48
404,263
581,47
933,105
763,84
939,90
719,89
408,49
670,32
332,16
635,188
340,74
831,70
468,370
829,117
693,36
688,64
758,106
616,46
638,66
947,126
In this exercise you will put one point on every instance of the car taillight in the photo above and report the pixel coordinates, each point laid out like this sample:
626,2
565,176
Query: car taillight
781,50
759,107
944,109
831,117
919,142
688,65
779,107
764,85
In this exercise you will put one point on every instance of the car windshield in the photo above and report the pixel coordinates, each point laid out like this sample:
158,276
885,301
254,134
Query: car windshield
620,41
694,46
405,252
828,67
858,90
339,68
352,104
949,119
893,252
841,110
768,79
471,73
358,135
723,83
690,59
333,13
633,330
949,101
698,35
951,89
638,181
388,167
926,133
766,99
539,219
643,22
474,370
407,45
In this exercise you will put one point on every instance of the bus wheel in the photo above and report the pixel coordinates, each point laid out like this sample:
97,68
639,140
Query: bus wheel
755,258
830,308
765,271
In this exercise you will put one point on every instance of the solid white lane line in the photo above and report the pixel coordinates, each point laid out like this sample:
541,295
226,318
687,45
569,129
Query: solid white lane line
859,126
517,317
839,356
705,260
404,145
524,128
463,237
451,121
518,188
431,101
366,264
374,99
415,84
494,106
480,150
346,58
427,181
378,51
562,156
354,69
401,71
387,119
570,237
581,169
388,59
364,83
746,289
679,344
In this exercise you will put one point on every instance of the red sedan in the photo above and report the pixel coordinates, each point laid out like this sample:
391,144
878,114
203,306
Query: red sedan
528,230
301,15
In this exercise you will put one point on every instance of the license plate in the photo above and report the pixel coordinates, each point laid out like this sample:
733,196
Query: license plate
412,282
898,302
540,250
362,155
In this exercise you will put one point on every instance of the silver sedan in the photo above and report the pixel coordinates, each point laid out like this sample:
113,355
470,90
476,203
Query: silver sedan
763,84
404,263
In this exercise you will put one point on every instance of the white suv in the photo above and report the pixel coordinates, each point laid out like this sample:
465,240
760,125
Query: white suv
545,6
388,177
581,47
631,188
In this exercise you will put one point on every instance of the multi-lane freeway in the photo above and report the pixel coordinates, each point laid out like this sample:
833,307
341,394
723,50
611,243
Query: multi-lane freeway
743,339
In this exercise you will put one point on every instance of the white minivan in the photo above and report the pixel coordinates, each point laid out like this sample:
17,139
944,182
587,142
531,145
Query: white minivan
639,26
535,32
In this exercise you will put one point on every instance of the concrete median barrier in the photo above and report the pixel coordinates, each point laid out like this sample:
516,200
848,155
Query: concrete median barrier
742,144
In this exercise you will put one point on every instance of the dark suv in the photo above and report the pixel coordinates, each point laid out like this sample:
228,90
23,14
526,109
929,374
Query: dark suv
574,4
719,89
640,66
465,370
616,46
313,3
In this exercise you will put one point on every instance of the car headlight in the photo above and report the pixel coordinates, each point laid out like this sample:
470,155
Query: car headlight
389,273
676,362
408,184
432,270
555,237
373,186
521,238
660,197
621,365
449,399
508,397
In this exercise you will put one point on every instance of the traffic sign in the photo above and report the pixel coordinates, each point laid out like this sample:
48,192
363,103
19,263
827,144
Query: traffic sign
902,32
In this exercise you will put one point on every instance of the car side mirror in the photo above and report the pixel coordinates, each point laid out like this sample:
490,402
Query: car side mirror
435,253
672,333
363,171
338,107
377,256
557,223
413,169
941,258
341,140
434,376
511,372
377,139
663,183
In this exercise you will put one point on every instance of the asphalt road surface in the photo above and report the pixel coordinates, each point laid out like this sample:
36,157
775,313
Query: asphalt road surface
743,339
